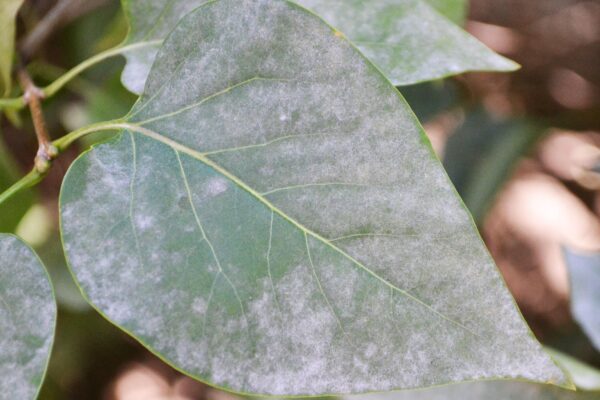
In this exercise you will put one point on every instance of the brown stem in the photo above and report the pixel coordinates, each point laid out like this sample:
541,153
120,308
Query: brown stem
32,96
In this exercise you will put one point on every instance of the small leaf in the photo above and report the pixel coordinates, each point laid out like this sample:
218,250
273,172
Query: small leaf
27,320
274,221
584,273
407,39
8,14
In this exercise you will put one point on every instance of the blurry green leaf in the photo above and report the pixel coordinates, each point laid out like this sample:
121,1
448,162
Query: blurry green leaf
66,291
507,390
109,101
274,221
482,153
407,39
429,99
27,320
92,33
86,353
12,211
584,376
36,225
454,10
584,273
8,14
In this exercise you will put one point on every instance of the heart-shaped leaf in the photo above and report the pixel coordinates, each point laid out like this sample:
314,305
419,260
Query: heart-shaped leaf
27,320
407,39
274,221
584,274
8,14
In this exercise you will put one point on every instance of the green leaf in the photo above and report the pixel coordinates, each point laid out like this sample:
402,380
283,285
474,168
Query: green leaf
454,10
274,221
584,376
485,391
407,39
8,14
481,154
27,320
584,274
12,210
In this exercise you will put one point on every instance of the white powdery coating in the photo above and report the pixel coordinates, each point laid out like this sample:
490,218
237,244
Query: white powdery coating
347,264
27,318
417,45
149,20
508,390
407,39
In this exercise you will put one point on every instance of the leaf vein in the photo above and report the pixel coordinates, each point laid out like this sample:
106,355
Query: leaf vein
264,144
320,286
269,264
205,237
317,184
207,98
207,161
132,199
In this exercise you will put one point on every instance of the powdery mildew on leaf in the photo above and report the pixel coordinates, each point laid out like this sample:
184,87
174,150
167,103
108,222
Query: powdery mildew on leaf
485,391
275,222
149,21
27,319
407,39
8,14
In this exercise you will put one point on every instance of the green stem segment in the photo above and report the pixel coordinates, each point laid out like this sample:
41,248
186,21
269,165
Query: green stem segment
35,176
54,87
64,142
29,180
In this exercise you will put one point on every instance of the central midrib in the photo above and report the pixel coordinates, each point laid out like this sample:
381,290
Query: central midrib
210,163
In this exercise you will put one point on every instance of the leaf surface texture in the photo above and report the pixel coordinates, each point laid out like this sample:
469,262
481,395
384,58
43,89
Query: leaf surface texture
27,320
407,39
273,220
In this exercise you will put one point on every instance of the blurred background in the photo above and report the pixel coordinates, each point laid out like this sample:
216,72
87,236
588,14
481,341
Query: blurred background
523,150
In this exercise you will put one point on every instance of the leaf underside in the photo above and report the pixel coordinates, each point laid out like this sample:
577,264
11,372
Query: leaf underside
27,320
407,39
584,274
274,221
